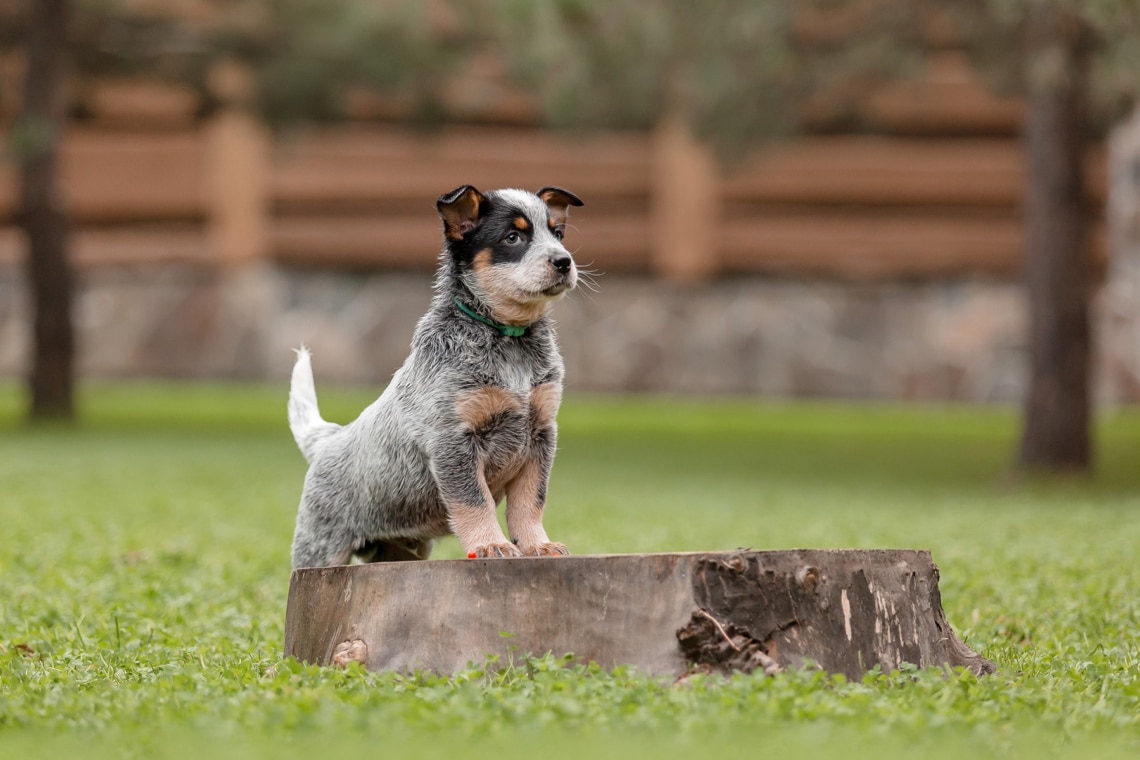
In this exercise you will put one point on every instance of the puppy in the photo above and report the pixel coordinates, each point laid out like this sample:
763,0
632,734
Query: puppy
468,419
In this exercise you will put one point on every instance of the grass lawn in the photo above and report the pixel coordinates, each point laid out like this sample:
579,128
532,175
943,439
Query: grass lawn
144,565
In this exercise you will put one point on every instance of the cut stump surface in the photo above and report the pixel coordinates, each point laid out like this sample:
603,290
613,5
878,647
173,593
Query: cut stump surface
843,610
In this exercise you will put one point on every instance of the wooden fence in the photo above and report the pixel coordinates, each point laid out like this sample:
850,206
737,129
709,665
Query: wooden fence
363,197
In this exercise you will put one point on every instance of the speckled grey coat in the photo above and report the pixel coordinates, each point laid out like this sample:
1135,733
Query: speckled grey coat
470,416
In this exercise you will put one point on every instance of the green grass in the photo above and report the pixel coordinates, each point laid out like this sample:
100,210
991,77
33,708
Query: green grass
144,568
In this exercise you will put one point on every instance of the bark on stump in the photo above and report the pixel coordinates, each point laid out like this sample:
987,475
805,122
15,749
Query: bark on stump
844,610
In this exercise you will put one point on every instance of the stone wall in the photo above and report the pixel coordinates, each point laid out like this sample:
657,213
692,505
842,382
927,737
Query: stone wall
942,340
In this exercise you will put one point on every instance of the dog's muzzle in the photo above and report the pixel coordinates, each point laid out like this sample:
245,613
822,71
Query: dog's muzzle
565,277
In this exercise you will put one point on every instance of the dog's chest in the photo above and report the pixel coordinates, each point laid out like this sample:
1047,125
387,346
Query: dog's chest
512,389
510,428
515,378
512,412
508,425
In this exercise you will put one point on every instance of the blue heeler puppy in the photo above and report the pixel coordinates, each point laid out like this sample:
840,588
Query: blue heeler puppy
468,419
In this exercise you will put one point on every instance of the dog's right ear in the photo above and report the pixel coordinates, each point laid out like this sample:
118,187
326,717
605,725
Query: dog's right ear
459,210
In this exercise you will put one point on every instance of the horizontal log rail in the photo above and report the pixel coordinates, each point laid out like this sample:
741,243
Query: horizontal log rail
362,197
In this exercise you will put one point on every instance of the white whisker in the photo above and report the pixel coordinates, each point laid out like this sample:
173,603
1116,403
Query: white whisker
589,278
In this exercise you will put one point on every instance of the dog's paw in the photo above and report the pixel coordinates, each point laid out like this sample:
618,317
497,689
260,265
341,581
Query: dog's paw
547,550
496,550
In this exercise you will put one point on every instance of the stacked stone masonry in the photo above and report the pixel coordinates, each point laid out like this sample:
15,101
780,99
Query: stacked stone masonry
943,340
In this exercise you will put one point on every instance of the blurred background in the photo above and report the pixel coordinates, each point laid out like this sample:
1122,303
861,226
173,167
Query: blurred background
923,215
870,199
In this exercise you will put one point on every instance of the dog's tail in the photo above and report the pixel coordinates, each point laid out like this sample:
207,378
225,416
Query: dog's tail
304,415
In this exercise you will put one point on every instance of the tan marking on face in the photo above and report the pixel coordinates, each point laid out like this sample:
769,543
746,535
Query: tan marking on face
476,408
498,291
482,260
521,223
544,402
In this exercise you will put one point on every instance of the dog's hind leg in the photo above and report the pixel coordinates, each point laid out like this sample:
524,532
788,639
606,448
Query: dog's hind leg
395,550
321,539
314,555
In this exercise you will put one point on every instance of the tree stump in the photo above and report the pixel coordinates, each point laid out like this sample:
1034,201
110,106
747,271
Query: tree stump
846,611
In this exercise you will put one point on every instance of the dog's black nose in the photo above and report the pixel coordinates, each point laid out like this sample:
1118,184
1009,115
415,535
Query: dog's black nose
562,262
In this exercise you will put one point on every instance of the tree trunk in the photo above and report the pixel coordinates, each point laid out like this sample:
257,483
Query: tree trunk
1058,273
41,212
845,611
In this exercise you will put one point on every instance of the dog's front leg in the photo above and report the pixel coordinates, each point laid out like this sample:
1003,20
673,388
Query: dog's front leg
471,509
526,499
526,494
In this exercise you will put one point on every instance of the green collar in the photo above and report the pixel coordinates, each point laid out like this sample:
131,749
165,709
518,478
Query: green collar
510,331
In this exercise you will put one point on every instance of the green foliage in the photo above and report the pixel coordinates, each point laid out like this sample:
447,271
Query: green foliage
624,63
304,55
144,568
735,70
116,38
741,71
1000,33
307,53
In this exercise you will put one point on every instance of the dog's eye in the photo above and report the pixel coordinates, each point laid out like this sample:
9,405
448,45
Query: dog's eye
513,239
558,233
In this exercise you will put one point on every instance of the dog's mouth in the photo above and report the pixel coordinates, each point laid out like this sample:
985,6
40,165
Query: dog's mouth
561,282
558,288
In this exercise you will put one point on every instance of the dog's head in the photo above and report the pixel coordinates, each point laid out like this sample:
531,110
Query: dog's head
506,247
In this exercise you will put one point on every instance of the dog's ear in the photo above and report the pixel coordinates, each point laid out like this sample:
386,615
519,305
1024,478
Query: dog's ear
559,202
459,210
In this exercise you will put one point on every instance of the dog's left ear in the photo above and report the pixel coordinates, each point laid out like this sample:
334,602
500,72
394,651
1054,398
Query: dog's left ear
460,211
559,202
